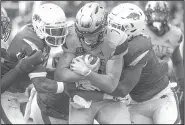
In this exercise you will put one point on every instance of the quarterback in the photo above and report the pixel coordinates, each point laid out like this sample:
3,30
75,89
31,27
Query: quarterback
93,37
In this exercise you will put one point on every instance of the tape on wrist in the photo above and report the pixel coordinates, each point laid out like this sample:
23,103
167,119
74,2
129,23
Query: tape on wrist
60,87
88,73
37,74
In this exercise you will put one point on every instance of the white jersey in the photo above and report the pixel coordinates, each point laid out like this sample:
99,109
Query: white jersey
165,45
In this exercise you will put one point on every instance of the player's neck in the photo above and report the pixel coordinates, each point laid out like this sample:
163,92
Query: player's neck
161,32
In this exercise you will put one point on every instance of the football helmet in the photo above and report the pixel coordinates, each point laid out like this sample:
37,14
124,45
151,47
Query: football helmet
127,19
157,13
49,23
90,24
5,25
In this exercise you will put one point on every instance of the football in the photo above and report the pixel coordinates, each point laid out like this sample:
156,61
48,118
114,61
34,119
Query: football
90,56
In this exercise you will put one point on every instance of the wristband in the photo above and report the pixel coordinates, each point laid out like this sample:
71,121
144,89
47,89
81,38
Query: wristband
60,87
38,74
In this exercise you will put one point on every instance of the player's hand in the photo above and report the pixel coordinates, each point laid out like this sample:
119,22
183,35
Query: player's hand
79,66
93,67
27,64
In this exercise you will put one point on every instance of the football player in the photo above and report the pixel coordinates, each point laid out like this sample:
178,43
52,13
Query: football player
46,33
166,39
146,81
91,35
10,74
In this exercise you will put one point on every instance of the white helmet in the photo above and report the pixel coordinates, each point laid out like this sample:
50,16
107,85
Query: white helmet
91,20
128,18
49,22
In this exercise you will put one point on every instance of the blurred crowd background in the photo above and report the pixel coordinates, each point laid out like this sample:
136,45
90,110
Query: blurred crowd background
20,12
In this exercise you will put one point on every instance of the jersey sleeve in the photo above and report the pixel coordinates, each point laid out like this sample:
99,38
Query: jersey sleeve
121,49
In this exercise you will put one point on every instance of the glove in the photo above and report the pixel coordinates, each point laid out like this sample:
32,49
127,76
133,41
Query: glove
27,64
93,66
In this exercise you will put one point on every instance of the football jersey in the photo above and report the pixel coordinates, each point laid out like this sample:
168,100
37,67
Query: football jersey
152,78
27,40
165,45
21,42
104,51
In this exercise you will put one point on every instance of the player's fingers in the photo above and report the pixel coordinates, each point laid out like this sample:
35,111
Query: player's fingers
79,60
97,62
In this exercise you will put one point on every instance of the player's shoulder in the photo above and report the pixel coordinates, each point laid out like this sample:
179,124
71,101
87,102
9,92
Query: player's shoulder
25,40
176,33
116,40
139,43
72,40
138,48
27,35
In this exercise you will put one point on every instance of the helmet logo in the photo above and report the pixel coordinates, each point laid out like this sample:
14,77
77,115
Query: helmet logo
133,16
37,18
86,22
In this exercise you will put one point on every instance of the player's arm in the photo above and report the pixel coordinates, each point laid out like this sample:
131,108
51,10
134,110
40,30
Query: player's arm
131,74
63,75
25,65
129,78
178,66
63,72
109,81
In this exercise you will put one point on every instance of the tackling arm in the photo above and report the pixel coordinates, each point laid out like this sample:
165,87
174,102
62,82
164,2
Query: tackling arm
129,78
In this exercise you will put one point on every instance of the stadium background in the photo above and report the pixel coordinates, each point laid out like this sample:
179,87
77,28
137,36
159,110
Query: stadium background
20,12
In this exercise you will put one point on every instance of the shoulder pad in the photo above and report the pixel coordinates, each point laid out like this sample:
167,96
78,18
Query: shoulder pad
25,40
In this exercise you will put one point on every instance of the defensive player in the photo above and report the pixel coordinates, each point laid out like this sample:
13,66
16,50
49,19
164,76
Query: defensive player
146,82
10,74
46,34
166,39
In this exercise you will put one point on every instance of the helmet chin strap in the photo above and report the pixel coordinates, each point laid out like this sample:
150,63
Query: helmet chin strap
87,42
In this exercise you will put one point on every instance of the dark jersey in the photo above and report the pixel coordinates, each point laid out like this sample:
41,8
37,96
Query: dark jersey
27,40
153,77
21,42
